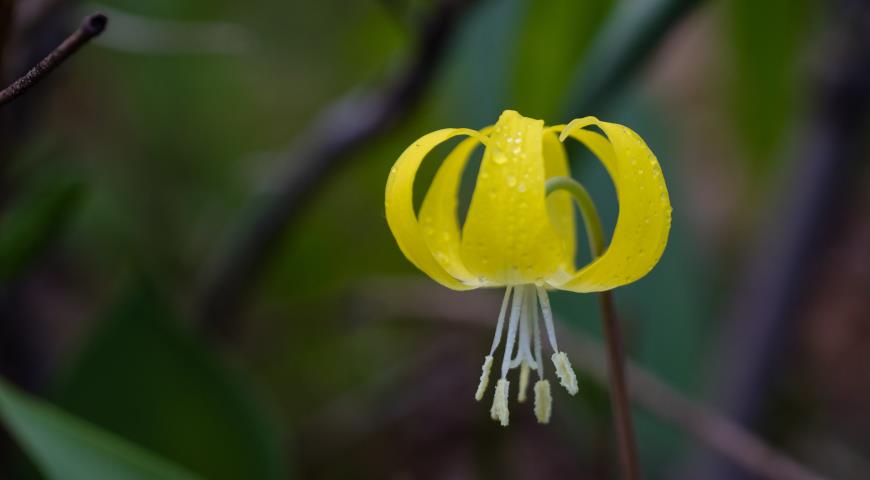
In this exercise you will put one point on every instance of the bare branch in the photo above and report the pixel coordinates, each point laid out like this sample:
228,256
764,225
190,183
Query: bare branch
90,28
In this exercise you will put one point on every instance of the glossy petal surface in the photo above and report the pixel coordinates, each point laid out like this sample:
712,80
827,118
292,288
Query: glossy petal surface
560,205
644,221
439,216
399,207
508,238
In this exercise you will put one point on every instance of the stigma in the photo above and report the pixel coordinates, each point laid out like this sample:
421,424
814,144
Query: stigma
529,307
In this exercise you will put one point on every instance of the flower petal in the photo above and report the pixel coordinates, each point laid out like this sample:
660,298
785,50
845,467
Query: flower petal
644,220
507,238
438,215
399,206
559,204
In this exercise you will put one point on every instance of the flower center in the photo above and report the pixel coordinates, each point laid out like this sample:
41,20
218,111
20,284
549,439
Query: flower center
523,350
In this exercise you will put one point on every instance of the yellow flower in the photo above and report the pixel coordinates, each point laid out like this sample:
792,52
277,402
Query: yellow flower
519,232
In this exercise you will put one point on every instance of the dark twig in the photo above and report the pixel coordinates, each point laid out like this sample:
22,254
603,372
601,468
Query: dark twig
404,298
90,28
323,148
618,394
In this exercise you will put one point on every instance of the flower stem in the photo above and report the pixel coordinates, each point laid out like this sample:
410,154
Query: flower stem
613,336
591,220
618,391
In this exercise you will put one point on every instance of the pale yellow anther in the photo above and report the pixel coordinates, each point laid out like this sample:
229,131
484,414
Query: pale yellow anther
484,378
543,401
524,382
499,410
565,372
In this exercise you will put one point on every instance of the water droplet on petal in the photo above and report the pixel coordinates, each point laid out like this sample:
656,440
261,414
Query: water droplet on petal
511,181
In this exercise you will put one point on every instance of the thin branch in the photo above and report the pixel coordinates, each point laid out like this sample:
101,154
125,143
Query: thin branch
90,28
320,151
404,298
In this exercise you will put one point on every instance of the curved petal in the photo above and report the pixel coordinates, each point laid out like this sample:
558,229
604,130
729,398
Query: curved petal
507,237
644,220
559,204
438,215
399,206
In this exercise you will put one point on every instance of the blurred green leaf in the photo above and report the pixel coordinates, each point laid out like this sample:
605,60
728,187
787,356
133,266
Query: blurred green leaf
630,34
68,448
146,378
765,46
553,37
33,222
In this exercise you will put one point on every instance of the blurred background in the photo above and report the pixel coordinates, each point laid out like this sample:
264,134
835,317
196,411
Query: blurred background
197,279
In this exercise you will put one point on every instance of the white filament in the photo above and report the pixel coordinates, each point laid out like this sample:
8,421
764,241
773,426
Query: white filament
516,309
548,317
536,332
524,348
500,325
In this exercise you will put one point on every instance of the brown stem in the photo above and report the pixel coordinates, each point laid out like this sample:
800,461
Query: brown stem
92,26
618,392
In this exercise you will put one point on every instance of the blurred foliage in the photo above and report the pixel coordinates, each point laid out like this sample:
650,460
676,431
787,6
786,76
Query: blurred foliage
34,221
67,448
767,45
145,377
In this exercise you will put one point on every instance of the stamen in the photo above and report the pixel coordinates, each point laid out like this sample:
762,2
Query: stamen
484,378
499,410
565,372
516,308
548,317
536,333
500,325
524,348
524,382
543,401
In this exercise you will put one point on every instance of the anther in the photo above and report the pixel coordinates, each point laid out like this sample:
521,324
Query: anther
499,410
543,401
484,378
525,370
566,374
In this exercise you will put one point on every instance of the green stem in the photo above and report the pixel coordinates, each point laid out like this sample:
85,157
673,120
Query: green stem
587,210
613,336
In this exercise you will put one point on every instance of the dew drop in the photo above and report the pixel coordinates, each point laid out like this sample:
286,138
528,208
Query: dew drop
521,187
499,158
511,181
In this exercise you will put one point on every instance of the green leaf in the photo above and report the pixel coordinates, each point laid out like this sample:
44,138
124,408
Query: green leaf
33,222
65,447
765,88
145,377
631,33
552,39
